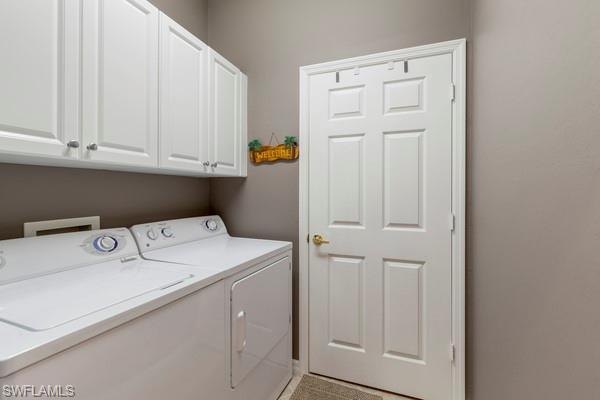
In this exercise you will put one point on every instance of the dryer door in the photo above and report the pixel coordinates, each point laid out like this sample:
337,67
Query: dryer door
260,319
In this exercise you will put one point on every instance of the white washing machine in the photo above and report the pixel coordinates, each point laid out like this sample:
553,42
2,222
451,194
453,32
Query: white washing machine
82,313
257,276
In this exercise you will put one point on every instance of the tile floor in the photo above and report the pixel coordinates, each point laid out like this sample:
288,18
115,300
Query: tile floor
287,393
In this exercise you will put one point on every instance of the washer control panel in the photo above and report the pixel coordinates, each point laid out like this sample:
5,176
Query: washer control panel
39,255
156,235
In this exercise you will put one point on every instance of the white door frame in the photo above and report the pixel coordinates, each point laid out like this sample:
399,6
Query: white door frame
457,48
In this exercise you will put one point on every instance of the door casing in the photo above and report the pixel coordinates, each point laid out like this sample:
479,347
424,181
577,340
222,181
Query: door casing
457,48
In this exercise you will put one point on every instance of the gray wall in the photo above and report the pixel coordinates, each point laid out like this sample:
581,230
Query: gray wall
534,202
269,40
191,14
31,193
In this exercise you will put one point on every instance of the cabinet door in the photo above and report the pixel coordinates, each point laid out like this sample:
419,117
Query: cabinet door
243,152
183,98
225,117
39,77
120,82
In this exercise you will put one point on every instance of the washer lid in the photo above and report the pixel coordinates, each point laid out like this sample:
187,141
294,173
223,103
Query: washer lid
51,300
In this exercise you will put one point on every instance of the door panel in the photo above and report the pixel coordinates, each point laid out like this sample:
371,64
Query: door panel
39,77
403,309
120,86
183,98
225,116
346,291
346,174
402,174
380,191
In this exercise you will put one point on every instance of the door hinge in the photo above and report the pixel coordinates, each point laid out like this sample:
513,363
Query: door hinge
452,91
451,222
452,352
307,238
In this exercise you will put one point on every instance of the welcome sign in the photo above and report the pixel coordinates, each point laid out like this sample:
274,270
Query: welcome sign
287,151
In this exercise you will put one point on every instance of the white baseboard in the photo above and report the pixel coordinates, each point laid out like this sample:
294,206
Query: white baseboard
296,367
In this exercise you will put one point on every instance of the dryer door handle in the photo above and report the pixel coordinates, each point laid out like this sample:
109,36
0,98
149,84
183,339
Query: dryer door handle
241,331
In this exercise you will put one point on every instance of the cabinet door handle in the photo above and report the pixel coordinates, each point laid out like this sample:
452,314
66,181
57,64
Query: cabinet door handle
214,165
206,163
73,144
92,147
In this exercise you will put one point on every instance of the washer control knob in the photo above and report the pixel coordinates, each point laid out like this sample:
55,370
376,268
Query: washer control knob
211,225
105,243
166,232
151,234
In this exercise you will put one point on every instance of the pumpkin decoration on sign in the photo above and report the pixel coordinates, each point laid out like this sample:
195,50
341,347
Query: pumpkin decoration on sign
286,151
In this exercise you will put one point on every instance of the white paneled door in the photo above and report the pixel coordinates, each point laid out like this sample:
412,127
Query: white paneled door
39,77
183,98
380,191
120,82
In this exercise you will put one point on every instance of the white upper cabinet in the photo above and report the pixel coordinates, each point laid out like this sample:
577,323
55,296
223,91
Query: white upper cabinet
116,84
183,99
39,78
225,119
120,82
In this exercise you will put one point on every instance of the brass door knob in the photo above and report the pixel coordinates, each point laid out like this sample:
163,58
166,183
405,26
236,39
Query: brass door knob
319,240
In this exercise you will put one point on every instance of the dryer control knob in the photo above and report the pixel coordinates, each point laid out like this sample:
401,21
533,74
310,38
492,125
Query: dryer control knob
211,225
167,232
105,244
151,234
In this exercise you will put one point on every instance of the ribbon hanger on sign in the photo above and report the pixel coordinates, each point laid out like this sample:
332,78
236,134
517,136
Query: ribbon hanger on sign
271,139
